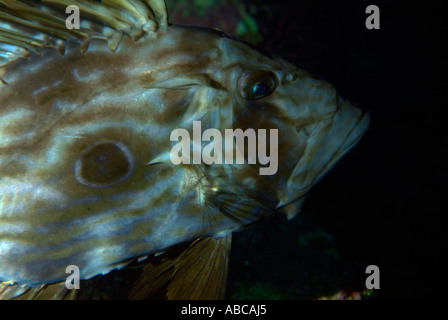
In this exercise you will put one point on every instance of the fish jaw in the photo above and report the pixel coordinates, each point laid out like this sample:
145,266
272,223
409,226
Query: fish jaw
330,139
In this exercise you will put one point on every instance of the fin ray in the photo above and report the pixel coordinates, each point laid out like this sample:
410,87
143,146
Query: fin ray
203,271
55,291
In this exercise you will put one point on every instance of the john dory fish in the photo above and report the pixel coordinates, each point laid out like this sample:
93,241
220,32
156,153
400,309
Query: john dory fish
85,122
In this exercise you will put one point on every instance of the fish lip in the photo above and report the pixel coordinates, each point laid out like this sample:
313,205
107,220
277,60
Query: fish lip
358,131
362,126
359,128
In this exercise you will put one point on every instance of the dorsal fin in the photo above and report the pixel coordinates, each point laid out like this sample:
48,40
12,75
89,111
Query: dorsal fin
33,25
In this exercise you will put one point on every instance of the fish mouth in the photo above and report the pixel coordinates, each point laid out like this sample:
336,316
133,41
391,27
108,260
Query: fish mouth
326,138
336,134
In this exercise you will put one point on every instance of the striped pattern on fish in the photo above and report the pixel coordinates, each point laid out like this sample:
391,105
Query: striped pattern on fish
59,116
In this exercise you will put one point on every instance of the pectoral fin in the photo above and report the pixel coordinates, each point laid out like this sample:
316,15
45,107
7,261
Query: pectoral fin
199,272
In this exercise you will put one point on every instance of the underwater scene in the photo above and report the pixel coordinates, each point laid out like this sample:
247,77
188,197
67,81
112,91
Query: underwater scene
114,172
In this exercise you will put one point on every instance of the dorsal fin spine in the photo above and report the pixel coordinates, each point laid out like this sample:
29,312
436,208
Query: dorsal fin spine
109,20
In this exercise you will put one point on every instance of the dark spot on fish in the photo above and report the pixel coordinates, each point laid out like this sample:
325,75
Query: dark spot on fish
104,164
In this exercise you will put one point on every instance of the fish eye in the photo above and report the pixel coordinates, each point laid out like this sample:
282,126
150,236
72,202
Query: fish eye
257,84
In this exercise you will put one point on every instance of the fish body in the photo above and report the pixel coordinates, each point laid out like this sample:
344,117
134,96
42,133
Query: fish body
86,177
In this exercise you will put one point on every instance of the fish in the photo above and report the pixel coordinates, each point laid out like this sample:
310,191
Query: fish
87,116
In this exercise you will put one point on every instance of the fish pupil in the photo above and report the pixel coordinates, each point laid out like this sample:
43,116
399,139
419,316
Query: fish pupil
260,89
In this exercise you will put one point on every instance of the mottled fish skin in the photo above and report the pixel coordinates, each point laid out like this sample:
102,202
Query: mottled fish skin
84,174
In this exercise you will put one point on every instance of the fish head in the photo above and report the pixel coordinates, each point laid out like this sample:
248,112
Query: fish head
306,124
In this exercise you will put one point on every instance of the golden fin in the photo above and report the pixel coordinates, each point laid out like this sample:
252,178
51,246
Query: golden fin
202,273
199,272
55,291
27,25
